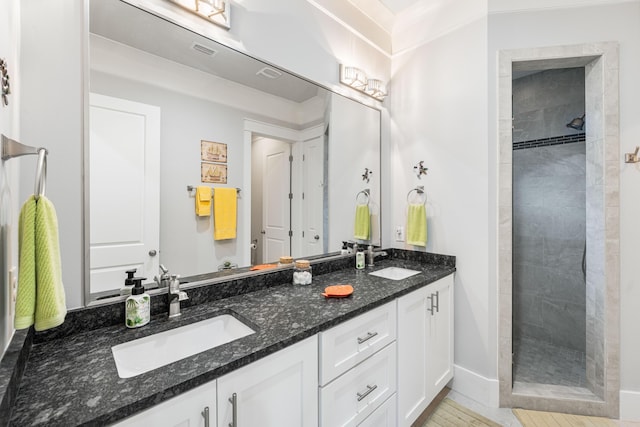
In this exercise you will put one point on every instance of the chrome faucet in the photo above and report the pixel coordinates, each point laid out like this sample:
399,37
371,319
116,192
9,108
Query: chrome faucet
164,279
175,295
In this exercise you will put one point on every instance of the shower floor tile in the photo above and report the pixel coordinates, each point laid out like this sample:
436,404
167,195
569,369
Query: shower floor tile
540,362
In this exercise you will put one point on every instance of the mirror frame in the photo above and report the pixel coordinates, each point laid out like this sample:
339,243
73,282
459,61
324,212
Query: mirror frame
214,277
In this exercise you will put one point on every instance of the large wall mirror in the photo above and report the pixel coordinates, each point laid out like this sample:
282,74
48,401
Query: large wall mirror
170,109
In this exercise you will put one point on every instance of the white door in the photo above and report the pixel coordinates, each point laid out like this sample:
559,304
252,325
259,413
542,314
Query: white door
124,202
280,390
276,204
313,171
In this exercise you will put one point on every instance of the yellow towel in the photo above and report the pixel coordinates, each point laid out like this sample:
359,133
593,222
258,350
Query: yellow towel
40,289
224,213
203,200
417,225
362,225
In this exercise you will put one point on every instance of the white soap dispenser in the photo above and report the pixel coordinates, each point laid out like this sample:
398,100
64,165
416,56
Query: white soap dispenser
137,311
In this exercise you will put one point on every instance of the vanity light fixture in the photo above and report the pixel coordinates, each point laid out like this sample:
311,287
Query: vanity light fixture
358,80
215,11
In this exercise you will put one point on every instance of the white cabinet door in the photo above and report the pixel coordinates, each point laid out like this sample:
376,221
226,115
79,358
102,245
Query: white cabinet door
280,390
412,356
425,347
186,410
440,338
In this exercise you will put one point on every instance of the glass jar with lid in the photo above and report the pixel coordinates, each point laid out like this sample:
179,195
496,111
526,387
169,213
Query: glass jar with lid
285,260
302,272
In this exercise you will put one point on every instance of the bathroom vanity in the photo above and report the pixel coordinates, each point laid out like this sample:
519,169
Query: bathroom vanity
377,357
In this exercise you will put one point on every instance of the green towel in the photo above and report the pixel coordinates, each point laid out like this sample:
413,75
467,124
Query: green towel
362,227
417,225
40,289
26,298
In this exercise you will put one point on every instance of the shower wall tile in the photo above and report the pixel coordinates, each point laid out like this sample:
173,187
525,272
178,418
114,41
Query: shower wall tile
528,250
572,316
566,288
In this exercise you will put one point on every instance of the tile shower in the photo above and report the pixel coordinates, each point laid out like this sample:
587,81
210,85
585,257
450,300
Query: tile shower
549,229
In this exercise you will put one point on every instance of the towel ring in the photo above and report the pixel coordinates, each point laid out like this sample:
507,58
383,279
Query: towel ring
366,193
419,191
41,174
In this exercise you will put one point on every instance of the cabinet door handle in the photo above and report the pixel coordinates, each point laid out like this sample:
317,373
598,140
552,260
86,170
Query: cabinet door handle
234,410
205,415
366,393
367,338
430,298
437,301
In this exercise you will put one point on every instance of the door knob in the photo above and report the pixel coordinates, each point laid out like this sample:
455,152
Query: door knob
153,252
263,232
316,237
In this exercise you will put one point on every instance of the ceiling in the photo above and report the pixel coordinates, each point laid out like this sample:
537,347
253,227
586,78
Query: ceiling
114,20
384,12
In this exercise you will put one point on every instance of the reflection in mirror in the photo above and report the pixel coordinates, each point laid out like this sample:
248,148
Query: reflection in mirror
296,153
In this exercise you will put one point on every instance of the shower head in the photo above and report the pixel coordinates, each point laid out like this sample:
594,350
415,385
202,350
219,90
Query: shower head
577,123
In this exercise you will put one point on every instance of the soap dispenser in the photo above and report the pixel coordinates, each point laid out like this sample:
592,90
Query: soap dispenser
345,249
360,259
128,282
138,305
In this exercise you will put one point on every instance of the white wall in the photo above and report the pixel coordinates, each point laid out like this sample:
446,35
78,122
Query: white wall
614,21
439,115
10,200
51,80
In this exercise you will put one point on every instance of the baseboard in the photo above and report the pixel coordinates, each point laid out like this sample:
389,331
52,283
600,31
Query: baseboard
474,386
629,405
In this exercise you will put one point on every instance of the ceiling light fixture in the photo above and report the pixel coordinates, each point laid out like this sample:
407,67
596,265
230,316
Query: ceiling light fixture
214,11
357,79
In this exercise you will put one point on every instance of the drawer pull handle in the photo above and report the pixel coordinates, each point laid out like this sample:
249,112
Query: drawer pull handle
234,410
366,393
205,415
367,338
430,310
437,301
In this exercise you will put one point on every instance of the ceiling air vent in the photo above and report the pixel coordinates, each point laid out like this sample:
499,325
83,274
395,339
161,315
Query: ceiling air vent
269,73
203,49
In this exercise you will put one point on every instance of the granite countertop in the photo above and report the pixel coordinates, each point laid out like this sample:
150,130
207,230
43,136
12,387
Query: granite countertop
73,380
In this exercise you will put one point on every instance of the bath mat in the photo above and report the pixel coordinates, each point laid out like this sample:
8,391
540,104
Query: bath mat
450,413
553,419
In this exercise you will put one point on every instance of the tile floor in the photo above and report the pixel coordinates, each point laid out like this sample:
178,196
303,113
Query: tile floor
540,362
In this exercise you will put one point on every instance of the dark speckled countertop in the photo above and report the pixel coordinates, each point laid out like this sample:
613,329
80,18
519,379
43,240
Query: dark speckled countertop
73,380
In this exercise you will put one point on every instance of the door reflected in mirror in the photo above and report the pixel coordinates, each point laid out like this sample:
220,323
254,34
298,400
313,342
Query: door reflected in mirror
296,151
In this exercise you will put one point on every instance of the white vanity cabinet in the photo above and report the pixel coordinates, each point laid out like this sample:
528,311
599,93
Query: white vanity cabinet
279,390
358,369
425,347
195,407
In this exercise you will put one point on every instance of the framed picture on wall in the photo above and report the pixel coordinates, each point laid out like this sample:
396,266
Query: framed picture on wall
213,151
213,173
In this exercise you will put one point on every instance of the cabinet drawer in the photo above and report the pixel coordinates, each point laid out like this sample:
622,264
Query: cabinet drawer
384,416
350,399
349,343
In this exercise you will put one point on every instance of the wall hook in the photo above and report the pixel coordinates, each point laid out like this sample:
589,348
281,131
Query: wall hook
365,175
632,157
420,169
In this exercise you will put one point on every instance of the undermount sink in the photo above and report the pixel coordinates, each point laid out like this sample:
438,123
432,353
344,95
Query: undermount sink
394,273
146,354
